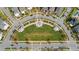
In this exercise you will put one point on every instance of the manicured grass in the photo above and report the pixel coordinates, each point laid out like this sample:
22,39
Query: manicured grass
4,17
44,33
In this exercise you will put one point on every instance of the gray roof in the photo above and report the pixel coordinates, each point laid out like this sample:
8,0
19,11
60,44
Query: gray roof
52,9
76,28
15,10
45,8
73,21
2,24
59,11
22,9
69,9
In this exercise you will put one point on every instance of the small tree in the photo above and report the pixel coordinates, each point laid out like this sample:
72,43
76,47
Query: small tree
48,41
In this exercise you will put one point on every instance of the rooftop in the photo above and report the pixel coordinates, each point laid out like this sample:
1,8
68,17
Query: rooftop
3,25
73,22
22,9
76,29
16,11
1,35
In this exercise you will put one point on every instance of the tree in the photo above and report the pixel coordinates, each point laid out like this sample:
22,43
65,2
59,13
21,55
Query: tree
48,41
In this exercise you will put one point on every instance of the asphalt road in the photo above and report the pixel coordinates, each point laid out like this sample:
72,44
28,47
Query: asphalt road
6,42
71,43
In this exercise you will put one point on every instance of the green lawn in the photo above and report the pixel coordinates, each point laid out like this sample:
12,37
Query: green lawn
4,17
43,33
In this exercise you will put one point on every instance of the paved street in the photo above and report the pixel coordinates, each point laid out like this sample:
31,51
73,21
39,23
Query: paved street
71,44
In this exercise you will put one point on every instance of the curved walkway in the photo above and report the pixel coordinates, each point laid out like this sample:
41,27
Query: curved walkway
71,43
